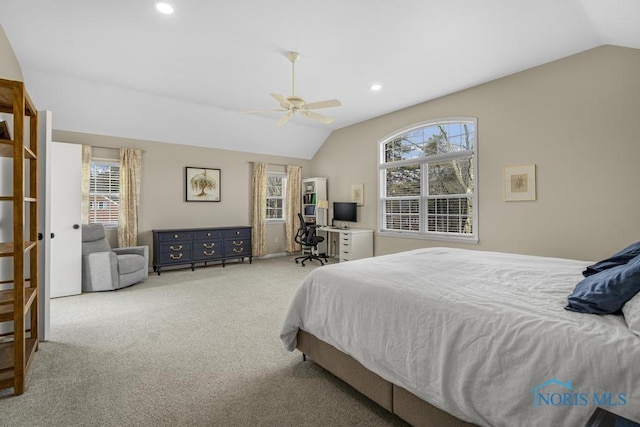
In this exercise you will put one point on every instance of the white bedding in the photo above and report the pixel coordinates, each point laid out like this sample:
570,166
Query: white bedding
474,333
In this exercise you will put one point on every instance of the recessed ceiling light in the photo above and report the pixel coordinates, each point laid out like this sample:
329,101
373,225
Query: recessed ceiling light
376,87
165,8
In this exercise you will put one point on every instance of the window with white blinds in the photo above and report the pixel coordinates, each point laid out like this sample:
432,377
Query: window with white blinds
104,192
428,181
276,186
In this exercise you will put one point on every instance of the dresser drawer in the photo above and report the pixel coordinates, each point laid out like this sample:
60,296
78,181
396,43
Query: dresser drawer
208,234
175,236
175,257
238,232
208,249
175,247
237,247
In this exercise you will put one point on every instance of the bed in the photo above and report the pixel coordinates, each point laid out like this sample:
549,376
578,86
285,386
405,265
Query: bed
467,337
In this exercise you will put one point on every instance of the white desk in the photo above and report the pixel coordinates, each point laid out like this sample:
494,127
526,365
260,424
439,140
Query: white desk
351,243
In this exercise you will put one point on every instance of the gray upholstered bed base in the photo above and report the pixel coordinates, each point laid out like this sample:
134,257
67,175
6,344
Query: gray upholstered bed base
395,399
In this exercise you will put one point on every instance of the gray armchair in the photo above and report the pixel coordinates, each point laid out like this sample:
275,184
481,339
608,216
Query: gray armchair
106,269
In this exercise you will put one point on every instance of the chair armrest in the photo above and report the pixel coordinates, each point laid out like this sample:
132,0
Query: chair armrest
136,250
99,271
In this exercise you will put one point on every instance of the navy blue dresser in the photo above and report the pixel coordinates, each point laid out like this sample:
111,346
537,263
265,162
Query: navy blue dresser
200,245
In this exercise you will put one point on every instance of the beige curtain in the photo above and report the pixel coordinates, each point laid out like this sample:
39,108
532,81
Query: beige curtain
292,223
86,182
259,196
130,171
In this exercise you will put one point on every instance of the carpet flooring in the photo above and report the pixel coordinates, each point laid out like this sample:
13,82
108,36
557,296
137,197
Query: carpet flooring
186,348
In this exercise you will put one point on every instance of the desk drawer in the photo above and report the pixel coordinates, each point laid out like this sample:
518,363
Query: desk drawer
346,240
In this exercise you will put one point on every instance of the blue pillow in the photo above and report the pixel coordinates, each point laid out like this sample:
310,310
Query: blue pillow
607,291
619,258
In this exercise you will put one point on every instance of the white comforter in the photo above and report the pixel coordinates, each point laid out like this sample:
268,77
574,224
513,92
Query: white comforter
474,333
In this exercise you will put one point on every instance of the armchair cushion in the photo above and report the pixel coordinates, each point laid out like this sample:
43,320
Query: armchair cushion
105,269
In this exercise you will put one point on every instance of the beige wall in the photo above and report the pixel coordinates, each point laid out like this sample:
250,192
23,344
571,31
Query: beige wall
162,203
575,118
9,66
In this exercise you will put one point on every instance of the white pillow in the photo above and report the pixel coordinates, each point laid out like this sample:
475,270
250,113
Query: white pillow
631,312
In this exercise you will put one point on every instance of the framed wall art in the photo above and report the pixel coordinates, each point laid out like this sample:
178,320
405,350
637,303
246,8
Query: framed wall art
202,184
357,194
520,183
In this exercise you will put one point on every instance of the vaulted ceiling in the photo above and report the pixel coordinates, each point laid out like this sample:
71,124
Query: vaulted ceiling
120,68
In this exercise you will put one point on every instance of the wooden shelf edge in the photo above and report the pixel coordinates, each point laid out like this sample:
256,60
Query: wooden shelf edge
6,148
7,367
7,248
29,153
30,296
6,302
6,356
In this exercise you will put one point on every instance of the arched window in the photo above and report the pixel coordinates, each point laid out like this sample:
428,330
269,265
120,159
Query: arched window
428,181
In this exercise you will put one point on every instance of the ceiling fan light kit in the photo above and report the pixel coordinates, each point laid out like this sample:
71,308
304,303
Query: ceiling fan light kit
294,104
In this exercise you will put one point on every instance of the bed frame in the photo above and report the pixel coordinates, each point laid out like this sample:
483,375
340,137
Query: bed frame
393,398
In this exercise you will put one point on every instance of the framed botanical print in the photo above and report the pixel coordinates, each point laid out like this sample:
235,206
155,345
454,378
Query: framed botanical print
202,184
520,183
357,194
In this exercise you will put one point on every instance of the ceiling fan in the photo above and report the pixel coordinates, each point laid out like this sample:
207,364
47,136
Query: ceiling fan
294,104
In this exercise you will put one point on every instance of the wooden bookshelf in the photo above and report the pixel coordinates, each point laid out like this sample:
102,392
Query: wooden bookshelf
19,294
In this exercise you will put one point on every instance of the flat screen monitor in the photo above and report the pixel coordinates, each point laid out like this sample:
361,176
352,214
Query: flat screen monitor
345,211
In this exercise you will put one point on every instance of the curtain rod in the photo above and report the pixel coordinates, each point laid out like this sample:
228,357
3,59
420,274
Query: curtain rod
273,164
109,148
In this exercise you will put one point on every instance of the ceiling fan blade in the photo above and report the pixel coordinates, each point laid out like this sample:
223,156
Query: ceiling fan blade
285,118
284,102
323,104
315,116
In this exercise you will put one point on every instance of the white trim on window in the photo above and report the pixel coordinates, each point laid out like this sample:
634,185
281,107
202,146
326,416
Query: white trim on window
104,192
416,212
276,203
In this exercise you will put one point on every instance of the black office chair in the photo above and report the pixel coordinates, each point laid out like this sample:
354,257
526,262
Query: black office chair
307,237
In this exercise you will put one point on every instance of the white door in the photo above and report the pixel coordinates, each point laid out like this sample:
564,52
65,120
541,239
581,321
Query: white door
66,212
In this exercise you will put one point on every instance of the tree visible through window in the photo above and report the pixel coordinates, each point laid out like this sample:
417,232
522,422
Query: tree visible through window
276,184
428,181
104,192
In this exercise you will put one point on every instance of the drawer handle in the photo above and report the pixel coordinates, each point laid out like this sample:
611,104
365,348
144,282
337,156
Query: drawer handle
238,251
208,234
175,257
179,248
208,254
175,236
237,232
208,246
238,243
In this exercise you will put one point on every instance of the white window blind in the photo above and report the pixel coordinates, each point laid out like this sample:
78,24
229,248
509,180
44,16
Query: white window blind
104,192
